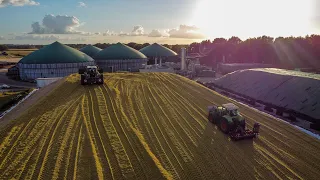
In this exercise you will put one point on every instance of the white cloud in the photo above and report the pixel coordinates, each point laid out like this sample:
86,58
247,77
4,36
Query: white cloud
47,38
2,38
155,33
56,25
4,3
82,4
109,33
137,31
185,31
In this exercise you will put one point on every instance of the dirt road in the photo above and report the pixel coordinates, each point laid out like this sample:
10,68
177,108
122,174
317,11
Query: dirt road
146,126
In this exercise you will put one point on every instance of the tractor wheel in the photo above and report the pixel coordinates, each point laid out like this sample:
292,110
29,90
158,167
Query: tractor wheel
100,79
82,81
243,124
224,126
210,117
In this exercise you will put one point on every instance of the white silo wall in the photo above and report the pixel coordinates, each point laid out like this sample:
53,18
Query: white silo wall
33,71
121,65
183,58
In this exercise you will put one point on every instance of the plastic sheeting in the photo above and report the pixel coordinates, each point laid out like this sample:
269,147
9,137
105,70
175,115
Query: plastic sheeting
228,68
289,89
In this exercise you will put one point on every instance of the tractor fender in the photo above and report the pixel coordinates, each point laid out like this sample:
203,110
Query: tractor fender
228,118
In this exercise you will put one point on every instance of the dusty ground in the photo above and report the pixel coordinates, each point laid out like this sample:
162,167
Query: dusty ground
5,80
146,126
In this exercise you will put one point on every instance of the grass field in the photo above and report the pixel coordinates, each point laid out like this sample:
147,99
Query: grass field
17,53
146,126
6,97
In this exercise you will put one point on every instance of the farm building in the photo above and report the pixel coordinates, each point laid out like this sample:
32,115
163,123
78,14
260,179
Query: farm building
120,57
54,60
90,50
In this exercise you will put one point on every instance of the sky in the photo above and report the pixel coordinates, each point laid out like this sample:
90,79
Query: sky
162,21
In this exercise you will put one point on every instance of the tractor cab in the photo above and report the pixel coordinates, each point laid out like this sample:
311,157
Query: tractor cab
231,109
92,71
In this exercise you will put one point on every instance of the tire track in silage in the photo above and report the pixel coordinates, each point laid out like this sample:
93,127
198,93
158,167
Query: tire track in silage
54,144
145,161
190,170
49,124
126,134
64,155
153,166
109,119
109,169
91,136
161,136
76,151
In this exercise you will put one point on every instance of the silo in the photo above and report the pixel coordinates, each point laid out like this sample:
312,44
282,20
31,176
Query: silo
183,58
54,60
120,57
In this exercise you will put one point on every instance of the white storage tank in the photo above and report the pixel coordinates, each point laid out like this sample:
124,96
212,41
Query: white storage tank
42,82
183,58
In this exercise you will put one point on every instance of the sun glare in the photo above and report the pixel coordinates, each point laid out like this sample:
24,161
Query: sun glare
248,18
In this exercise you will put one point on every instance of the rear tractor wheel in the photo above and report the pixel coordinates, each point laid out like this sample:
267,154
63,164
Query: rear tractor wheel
210,118
224,126
82,80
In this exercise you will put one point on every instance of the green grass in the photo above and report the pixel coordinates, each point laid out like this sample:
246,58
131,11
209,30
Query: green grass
17,53
6,98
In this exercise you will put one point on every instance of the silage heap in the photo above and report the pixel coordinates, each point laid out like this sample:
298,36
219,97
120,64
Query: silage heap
293,90
146,126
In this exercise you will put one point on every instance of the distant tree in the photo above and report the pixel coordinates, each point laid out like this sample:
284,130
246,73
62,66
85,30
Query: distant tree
286,52
3,47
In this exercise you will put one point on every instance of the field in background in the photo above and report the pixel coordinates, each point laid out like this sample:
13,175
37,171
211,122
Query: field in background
146,126
17,53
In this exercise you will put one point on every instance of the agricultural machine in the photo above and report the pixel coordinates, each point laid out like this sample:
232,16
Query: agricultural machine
91,75
229,121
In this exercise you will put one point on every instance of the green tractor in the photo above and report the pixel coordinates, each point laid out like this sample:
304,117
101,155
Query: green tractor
91,75
231,122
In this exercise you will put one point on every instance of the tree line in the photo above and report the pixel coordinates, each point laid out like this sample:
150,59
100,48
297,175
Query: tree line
285,52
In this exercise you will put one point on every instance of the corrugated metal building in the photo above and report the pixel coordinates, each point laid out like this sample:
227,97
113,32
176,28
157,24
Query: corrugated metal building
120,57
54,60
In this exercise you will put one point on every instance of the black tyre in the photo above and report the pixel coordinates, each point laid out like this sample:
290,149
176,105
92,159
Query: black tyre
210,117
81,71
82,80
224,126
243,124
101,79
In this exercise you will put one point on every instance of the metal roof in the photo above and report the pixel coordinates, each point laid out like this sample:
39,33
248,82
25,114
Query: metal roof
56,53
119,51
90,50
156,50
230,106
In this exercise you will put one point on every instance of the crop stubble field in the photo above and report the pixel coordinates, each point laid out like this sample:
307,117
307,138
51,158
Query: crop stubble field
146,126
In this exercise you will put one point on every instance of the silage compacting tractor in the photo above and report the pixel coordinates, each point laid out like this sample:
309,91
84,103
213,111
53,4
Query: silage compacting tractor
229,121
91,75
